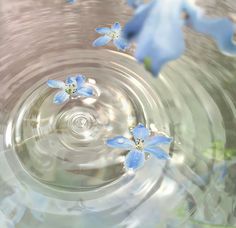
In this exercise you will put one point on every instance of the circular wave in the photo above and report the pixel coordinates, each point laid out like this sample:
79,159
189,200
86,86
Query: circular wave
57,154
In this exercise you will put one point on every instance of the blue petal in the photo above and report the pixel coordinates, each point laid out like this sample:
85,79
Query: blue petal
157,152
134,3
134,159
161,38
56,84
103,30
135,25
116,27
101,41
152,141
61,97
80,79
120,142
70,80
222,30
85,91
140,132
121,43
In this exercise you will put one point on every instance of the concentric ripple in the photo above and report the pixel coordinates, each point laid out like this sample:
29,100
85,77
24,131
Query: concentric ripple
56,154
72,135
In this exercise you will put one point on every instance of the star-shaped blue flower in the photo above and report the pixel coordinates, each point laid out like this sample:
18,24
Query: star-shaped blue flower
157,28
111,34
72,87
142,143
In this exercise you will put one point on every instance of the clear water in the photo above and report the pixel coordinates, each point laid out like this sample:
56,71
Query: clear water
64,145
56,156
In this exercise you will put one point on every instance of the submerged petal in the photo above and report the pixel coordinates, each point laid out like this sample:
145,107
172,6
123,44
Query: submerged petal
103,30
140,132
121,43
157,152
120,142
38,215
134,159
101,41
80,79
116,27
5,223
12,209
152,141
61,97
56,84
222,30
39,205
85,91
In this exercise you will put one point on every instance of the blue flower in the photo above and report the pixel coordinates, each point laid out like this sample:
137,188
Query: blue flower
111,34
72,87
157,28
142,143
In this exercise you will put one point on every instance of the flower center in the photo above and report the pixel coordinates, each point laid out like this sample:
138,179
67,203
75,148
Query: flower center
71,88
139,144
114,35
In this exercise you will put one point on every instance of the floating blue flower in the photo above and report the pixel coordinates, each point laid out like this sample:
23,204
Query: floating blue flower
142,143
111,34
73,86
157,29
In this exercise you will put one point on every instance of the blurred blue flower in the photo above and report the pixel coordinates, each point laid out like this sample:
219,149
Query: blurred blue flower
111,34
73,86
157,29
221,30
14,206
142,143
